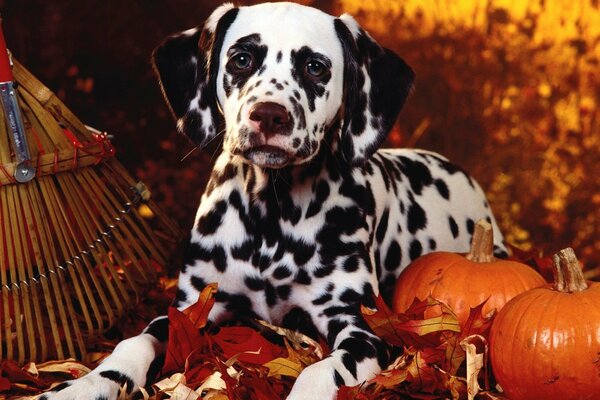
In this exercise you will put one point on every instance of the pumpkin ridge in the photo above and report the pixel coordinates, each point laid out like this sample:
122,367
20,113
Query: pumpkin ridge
516,342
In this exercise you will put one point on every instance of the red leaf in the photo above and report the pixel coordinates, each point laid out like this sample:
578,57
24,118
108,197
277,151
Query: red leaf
4,384
477,323
351,393
244,342
184,338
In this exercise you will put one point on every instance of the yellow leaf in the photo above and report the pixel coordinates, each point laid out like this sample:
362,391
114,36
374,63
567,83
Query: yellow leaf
284,366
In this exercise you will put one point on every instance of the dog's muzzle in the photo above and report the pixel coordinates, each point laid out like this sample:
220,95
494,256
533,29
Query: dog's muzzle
267,156
268,120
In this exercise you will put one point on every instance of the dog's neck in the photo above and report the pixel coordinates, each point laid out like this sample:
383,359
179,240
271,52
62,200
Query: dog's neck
257,179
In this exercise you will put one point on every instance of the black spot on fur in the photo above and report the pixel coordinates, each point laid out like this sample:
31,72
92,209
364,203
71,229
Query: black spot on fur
383,225
432,244
250,44
417,219
350,296
284,291
416,249
393,256
181,296
299,320
211,221
282,272
302,278
278,58
470,226
195,252
198,283
243,251
219,258
339,381
442,189
312,87
351,264
159,328
322,299
350,364
324,270
359,349
322,193
453,227
270,294
61,386
418,174
120,378
254,283
334,327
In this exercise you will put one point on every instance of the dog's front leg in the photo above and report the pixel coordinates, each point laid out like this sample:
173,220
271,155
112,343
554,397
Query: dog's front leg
358,356
133,363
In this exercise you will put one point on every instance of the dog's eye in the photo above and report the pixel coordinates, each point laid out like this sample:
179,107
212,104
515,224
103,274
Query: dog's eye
242,61
315,68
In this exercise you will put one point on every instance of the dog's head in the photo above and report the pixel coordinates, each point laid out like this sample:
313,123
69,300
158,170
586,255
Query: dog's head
275,77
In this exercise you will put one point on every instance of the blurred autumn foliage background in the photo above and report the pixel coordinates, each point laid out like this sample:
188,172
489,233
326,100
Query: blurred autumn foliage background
507,89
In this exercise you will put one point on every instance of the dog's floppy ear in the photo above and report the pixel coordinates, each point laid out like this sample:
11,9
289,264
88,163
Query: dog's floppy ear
187,65
376,85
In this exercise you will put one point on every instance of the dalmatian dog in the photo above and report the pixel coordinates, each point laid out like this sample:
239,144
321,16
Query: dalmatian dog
303,218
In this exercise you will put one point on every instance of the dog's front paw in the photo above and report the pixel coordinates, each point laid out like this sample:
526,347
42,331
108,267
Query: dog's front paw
317,381
93,386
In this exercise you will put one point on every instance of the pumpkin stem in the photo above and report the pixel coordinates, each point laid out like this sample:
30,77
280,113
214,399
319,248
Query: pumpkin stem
482,245
568,277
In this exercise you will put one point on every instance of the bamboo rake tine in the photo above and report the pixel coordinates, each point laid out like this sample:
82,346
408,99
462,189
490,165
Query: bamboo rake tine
31,240
13,249
49,131
47,98
158,252
53,261
47,249
105,197
84,267
118,172
89,235
94,227
103,209
3,281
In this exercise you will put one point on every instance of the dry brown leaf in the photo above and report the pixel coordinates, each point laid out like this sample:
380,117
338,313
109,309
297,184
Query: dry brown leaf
298,340
182,392
476,348
69,366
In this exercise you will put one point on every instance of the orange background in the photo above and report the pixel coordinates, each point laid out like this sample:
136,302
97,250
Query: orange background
507,89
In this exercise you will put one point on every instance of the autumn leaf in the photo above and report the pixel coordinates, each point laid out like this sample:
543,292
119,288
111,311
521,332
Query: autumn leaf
411,327
184,338
476,349
246,344
476,324
198,312
284,366
390,378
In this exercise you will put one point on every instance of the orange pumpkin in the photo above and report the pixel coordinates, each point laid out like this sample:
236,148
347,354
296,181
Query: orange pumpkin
464,282
545,343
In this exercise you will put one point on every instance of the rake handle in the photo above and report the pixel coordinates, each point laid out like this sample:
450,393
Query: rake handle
24,170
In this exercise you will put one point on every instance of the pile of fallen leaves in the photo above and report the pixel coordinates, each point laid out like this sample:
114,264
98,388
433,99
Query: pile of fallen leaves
439,357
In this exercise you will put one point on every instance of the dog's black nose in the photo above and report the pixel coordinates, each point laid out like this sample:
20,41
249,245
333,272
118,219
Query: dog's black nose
271,117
